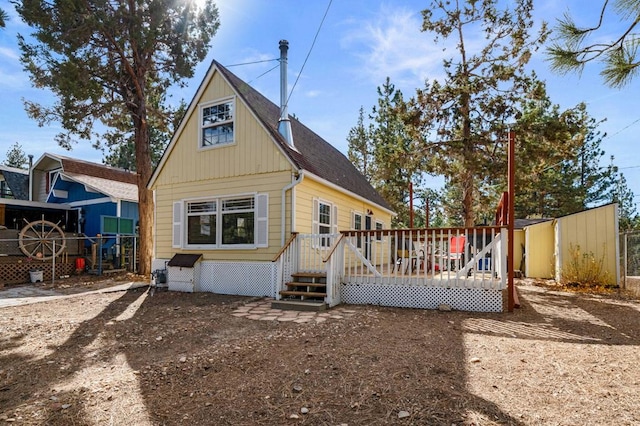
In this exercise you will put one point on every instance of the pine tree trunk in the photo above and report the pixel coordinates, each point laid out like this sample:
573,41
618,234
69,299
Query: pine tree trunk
145,196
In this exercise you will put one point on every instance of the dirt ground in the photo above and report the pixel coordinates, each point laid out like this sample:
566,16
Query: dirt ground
127,358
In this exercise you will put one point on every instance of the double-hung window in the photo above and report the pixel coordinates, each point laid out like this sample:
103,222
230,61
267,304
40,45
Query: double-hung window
222,222
217,123
325,221
357,225
379,227
238,221
202,222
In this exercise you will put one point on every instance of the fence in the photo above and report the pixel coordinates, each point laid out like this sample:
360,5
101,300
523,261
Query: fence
630,261
58,254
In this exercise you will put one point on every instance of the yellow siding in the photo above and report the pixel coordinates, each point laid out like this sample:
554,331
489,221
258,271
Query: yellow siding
253,153
595,232
518,249
539,250
309,189
346,204
271,184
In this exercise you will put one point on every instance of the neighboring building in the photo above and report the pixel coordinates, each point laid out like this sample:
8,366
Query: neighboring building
14,183
106,198
240,176
552,246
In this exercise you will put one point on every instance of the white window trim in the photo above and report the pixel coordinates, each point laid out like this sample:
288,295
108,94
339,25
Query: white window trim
333,219
52,176
260,223
202,106
353,220
377,222
359,242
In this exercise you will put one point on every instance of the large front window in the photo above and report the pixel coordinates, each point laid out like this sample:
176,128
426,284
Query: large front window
201,222
237,221
217,124
221,222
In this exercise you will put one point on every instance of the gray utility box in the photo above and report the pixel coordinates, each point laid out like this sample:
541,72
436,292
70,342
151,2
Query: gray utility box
183,272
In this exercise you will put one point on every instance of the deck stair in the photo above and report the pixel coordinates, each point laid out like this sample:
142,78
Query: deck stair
306,292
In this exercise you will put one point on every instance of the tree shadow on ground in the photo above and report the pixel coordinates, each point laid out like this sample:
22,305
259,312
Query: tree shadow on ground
567,317
184,359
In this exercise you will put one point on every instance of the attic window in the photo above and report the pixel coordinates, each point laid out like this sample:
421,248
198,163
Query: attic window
216,123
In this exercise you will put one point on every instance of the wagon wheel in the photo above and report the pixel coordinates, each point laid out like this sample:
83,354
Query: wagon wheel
37,239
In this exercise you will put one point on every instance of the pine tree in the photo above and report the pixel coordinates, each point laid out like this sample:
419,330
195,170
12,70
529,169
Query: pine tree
16,157
105,59
3,18
394,153
461,119
360,147
576,46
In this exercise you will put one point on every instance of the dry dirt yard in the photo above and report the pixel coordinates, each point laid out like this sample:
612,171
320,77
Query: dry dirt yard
132,358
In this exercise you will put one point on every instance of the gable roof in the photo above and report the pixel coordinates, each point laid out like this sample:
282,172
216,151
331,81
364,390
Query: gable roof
111,181
17,181
311,152
81,167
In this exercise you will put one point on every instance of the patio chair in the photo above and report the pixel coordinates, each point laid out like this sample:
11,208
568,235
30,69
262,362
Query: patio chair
455,257
407,256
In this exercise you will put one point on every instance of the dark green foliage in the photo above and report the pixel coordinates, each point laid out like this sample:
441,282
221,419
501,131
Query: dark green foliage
112,61
575,46
385,153
16,157
3,18
461,119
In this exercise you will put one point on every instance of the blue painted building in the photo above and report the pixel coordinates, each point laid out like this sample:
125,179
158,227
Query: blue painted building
106,198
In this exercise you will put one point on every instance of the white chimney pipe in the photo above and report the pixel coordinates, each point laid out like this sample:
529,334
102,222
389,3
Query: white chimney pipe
284,125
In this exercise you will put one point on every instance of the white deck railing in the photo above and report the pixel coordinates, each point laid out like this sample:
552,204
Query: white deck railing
455,258
443,257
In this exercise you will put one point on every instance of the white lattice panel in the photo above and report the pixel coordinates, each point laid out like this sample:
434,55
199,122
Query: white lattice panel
238,278
422,297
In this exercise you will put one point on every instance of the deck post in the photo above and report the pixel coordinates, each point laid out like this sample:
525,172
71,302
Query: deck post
511,220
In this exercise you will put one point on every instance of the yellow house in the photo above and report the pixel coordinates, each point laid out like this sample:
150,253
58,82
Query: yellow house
238,178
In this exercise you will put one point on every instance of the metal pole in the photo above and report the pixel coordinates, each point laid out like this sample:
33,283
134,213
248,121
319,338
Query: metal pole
626,260
511,219
53,264
99,255
426,211
135,254
411,205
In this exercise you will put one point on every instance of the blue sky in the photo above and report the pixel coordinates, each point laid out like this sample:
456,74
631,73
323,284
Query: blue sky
361,43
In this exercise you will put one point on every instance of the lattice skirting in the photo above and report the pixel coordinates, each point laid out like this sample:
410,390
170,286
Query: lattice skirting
423,297
237,278
18,273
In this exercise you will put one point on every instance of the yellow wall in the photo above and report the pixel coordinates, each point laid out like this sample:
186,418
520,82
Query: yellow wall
253,164
595,232
539,250
253,153
309,189
518,240
271,184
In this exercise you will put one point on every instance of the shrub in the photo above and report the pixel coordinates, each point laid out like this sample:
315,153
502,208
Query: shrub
584,270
